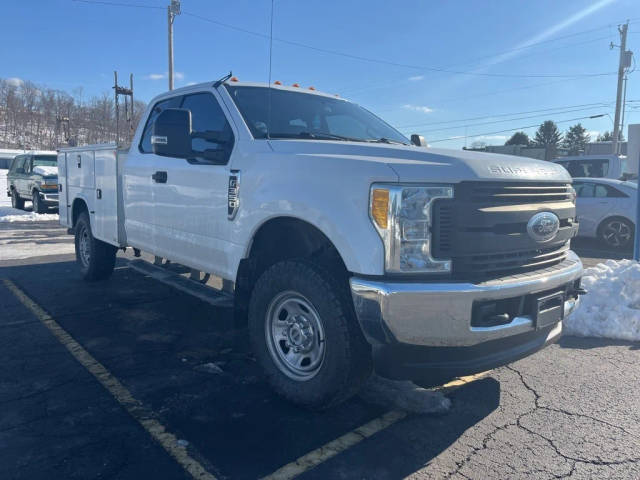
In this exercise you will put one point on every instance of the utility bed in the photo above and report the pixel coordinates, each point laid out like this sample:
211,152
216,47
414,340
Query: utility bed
94,173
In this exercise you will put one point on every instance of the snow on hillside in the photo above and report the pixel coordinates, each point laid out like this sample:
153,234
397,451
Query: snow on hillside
611,309
8,214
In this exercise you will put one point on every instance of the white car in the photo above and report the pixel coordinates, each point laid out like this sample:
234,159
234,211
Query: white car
606,209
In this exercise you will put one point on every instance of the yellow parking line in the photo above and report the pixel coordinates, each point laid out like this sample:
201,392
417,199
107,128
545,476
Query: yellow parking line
460,381
352,438
340,444
135,408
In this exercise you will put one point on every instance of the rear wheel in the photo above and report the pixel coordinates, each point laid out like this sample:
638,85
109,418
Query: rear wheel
95,258
305,335
616,232
16,201
38,207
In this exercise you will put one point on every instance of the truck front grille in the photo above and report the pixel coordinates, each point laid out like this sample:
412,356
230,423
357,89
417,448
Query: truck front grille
483,229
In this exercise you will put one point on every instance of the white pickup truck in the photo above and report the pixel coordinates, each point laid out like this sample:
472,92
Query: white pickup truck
349,248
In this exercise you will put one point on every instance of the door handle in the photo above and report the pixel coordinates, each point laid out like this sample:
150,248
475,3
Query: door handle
159,177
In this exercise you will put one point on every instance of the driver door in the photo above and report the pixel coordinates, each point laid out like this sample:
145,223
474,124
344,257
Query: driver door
190,201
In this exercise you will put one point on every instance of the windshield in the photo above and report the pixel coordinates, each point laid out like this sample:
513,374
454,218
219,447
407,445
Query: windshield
45,161
308,116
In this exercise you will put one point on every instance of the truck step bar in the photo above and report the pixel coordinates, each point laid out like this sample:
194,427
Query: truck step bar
203,292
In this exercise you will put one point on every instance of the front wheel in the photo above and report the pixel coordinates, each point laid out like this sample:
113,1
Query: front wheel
305,337
16,201
617,233
95,258
38,207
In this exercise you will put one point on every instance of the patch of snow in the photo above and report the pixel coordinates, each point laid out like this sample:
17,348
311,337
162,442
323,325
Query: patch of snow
611,309
46,170
13,215
403,395
182,443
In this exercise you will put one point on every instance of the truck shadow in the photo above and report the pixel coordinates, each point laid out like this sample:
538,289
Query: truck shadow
187,361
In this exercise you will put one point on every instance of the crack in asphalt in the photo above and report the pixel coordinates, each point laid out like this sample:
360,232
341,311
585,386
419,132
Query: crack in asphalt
574,461
550,441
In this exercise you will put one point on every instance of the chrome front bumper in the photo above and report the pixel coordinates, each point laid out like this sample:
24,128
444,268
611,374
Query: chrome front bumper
439,314
49,197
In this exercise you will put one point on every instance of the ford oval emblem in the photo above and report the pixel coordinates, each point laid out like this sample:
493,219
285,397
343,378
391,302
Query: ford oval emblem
543,226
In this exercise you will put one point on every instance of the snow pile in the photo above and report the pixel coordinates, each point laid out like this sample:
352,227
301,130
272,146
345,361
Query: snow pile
8,214
46,170
403,395
611,309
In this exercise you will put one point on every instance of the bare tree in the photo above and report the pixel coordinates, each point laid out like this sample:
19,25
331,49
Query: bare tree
32,116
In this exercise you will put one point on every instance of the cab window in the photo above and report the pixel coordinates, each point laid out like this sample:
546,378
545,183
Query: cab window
18,164
212,138
158,108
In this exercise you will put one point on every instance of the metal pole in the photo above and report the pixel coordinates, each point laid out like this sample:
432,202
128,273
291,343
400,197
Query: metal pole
170,25
115,89
616,124
636,241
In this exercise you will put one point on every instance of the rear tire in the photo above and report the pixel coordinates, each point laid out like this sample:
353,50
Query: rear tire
16,201
38,207
305,335
616,232
95,258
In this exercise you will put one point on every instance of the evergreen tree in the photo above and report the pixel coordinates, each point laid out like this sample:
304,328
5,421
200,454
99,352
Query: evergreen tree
548,137
576,139
518,138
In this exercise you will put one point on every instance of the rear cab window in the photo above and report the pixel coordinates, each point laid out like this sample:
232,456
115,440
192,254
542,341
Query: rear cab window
590,168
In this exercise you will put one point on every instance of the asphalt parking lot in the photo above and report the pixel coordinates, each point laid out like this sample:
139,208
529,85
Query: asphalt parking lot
173,392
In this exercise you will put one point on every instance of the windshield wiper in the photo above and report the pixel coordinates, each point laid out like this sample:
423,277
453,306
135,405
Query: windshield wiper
386,140
315,136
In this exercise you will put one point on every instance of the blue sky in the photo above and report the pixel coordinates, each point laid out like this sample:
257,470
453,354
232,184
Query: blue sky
67,44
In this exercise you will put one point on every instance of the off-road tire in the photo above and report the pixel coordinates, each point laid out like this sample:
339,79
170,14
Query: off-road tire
16,201
101,258
347,360
38,207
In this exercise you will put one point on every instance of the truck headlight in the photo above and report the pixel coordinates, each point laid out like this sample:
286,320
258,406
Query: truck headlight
402,216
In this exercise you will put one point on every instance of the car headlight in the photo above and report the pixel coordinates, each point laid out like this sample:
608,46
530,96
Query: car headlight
572,194
402,217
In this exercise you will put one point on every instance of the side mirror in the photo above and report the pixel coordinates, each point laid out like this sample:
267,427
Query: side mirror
171,135
418,140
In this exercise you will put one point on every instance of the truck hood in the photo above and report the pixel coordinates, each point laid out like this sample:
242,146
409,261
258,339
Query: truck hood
419,164
46,171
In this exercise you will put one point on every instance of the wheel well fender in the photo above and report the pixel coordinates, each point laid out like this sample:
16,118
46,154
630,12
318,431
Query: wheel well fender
79,206
284,238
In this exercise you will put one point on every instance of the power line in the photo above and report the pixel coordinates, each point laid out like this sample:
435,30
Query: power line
352,56
390,63
507,120
599,104
511,129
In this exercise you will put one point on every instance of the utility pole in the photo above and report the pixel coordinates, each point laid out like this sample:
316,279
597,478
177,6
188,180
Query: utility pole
172,11
622,66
